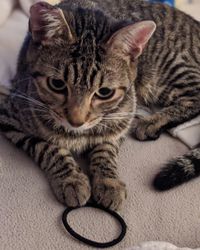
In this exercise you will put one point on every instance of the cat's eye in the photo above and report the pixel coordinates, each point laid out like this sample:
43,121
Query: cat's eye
56,85
105,93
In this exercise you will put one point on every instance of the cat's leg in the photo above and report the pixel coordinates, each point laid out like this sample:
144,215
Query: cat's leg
107,188
70,185
150,127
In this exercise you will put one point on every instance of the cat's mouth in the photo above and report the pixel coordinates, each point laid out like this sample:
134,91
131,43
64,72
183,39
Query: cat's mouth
61,121
86,126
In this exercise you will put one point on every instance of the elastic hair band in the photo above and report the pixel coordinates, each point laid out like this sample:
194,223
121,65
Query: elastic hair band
91,242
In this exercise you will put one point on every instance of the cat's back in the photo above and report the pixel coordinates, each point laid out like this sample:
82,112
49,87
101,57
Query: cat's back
162,14
174,46
172,24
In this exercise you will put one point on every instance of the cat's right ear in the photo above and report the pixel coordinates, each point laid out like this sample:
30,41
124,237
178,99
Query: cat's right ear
131,40
48,25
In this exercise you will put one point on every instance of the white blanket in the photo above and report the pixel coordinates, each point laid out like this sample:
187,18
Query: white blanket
188,132
152,245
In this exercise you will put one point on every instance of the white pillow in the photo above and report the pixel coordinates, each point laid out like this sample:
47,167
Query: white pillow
6,7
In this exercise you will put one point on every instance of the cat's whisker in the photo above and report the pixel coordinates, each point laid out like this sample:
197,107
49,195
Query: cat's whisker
34,104
120,114
22,80
106,126
35,109
115,118
29,99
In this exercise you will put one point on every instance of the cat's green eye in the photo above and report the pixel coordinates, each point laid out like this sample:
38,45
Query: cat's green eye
56,85
105,93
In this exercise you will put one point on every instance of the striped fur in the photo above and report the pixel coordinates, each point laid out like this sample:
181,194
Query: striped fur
178,171
168,78
37,120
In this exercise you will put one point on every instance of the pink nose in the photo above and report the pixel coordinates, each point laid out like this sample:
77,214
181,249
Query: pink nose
75,124
77,115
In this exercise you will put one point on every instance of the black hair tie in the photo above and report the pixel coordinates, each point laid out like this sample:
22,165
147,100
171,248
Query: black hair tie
91,242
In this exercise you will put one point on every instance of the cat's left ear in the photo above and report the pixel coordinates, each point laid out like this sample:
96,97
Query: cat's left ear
132,39
48,25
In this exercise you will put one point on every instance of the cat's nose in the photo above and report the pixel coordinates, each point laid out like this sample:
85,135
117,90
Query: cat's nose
77,111
76,116
75,124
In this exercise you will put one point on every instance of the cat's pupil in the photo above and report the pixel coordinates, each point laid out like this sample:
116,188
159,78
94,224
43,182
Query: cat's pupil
105,91
58,84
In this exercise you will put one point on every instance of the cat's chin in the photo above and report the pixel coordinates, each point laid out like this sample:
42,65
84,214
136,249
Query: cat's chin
85,127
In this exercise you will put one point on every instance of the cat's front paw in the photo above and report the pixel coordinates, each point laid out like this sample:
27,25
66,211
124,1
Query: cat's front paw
73,191
144,130
109,192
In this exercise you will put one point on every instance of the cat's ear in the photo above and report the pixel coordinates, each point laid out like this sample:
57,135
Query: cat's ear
132,39
48,24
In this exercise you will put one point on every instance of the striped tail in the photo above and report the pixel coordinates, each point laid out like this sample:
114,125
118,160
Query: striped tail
178,171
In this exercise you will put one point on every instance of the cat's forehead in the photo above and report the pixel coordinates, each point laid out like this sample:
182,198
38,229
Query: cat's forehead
88,23
87,52
85,61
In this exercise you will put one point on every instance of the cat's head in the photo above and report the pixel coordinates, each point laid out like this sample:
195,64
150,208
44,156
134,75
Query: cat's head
84,62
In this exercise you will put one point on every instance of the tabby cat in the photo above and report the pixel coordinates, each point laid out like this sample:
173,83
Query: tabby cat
81,69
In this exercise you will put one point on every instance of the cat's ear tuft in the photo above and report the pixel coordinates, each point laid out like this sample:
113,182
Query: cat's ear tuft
132,39
48,24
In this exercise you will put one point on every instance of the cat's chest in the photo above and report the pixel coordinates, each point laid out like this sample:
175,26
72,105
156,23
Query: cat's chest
81,143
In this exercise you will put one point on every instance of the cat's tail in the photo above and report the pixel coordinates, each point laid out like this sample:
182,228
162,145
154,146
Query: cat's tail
178,171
